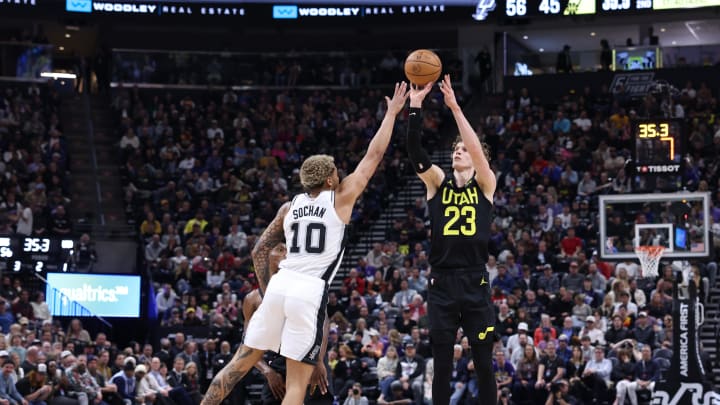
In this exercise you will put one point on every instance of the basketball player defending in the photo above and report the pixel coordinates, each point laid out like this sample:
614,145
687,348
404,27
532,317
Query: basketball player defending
460,206
290,318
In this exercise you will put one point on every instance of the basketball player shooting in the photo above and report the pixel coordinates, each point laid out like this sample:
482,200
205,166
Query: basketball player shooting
460,205
291,316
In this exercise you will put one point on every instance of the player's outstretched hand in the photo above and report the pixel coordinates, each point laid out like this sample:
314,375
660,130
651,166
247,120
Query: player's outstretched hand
448,93
397,102
417,94
319,379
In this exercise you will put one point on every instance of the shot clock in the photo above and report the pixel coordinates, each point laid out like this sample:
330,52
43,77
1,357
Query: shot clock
18,254
659,146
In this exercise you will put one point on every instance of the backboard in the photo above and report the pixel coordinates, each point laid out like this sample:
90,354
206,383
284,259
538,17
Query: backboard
680,222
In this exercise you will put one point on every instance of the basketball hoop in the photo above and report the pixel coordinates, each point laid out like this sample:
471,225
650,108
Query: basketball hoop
649,259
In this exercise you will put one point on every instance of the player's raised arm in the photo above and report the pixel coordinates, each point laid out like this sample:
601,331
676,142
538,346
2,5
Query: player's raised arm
270,238
483,173
429,173
354,184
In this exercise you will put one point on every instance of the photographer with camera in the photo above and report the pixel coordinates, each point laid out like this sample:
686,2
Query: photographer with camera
560,395
355,396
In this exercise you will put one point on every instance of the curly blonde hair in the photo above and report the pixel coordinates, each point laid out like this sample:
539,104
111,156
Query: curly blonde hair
315,170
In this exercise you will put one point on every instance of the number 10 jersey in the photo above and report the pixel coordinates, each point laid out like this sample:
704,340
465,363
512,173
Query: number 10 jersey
460,218
314,236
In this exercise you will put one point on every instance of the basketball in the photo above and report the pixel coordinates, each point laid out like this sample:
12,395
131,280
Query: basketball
422,66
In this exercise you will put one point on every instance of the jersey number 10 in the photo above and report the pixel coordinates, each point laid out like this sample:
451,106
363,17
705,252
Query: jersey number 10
454,214
312,229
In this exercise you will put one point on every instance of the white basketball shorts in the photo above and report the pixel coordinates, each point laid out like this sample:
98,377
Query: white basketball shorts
290,318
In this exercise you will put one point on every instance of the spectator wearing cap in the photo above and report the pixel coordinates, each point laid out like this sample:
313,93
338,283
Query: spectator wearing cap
563,348
643,330
8,390
33,386
592,331
125,382
596,375
513,342
411,371
83,383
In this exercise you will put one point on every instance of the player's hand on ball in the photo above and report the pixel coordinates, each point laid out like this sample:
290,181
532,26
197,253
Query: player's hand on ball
397,102
417,94
448,93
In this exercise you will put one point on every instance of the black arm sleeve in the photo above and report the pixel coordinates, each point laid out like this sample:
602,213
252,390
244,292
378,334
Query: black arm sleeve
418,156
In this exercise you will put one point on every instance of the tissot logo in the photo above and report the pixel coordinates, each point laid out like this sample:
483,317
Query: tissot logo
79,6
285,12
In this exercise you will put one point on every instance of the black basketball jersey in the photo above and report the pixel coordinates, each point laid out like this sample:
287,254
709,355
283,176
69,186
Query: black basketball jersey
460,218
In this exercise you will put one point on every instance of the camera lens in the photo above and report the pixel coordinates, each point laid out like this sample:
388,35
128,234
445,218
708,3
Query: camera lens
356,391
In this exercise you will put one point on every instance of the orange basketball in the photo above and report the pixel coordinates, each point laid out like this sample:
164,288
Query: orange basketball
422,66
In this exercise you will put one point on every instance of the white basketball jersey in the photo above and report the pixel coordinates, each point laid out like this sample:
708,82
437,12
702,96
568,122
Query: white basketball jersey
314,236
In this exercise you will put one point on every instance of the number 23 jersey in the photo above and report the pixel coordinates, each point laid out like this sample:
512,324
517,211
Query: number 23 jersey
314,236
460,218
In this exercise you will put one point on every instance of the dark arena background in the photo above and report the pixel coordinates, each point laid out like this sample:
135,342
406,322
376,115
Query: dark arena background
147,144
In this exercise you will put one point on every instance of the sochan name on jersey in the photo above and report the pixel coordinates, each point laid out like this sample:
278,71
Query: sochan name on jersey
88,293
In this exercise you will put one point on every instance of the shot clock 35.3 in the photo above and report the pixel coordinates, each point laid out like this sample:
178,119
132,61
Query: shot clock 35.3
658,146
38,254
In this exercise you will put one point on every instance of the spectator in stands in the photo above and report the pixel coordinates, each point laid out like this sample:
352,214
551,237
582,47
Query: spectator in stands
526,373
178,394
33,386
126,384
85,255
596,374
6,317
386,367
8,391
646,373
460,376
107,389
398,395
410,371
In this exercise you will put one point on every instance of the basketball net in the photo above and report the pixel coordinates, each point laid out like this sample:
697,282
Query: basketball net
649,259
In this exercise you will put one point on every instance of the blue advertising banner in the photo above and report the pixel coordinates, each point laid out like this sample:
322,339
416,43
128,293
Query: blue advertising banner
102,295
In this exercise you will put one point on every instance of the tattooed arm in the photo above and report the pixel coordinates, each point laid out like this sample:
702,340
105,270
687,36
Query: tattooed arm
224,382
272,235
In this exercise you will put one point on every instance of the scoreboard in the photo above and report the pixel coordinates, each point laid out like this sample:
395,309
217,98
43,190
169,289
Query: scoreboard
535,8
21,254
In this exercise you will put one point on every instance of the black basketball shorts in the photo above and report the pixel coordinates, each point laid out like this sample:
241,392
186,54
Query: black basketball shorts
460,298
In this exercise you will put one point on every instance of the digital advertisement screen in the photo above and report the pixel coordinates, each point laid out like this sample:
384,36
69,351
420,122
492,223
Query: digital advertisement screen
103,295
